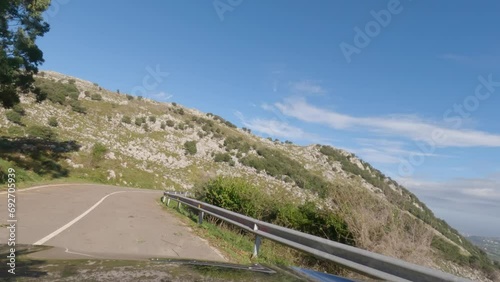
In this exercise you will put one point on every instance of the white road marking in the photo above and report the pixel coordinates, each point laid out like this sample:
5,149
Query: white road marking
80,254
67,225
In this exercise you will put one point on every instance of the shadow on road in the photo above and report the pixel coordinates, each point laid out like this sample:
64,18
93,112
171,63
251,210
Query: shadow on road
38,155
24,267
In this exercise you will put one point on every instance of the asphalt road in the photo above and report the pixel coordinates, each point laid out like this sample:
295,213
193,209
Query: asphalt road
100,221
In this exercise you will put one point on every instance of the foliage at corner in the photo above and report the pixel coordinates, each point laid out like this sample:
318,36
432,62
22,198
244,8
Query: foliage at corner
21,22
190,147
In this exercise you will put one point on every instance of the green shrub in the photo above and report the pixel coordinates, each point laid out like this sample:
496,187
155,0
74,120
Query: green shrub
180,111
145,127
162,125
139,98
152,119
236,143
126,119
53,122
14,117
56,97
240,196
15,131
87,93
43,132
96,84
74,96
140,120
71,81
190,147
130,97
56,91
170,123
276,164
222,120
98,152
96,97
76,106
222,157
19,109
174,104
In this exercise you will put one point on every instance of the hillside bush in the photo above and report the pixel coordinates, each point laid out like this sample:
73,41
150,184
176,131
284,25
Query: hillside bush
145,127
56,91
96,97
42,132
277,164
18,108
140,120
13,117
238,195
162,125
97,153
170,123
152,119
74,96
236,143
53,122
130,97
77,106
222,157
190,147
126,119
56,97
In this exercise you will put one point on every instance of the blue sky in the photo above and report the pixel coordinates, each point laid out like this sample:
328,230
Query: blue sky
412,87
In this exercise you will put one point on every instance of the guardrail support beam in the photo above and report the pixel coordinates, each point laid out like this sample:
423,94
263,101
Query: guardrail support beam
200,215
178,205
256,246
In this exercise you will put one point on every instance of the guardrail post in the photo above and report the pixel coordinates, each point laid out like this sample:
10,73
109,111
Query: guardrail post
178,205
168,202
256,246
200,215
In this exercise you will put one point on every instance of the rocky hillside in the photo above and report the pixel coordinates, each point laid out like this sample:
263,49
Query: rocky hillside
82,132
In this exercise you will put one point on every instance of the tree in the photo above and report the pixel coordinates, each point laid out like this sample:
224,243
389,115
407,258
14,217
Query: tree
21,22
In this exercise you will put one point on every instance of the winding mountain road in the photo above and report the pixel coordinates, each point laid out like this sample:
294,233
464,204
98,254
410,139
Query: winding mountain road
101,221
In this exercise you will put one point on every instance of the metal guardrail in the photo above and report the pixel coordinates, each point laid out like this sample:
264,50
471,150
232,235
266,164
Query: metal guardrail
358,260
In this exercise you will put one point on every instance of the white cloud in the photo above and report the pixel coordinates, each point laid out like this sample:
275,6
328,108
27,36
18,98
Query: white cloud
306,87
275,128
409,127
